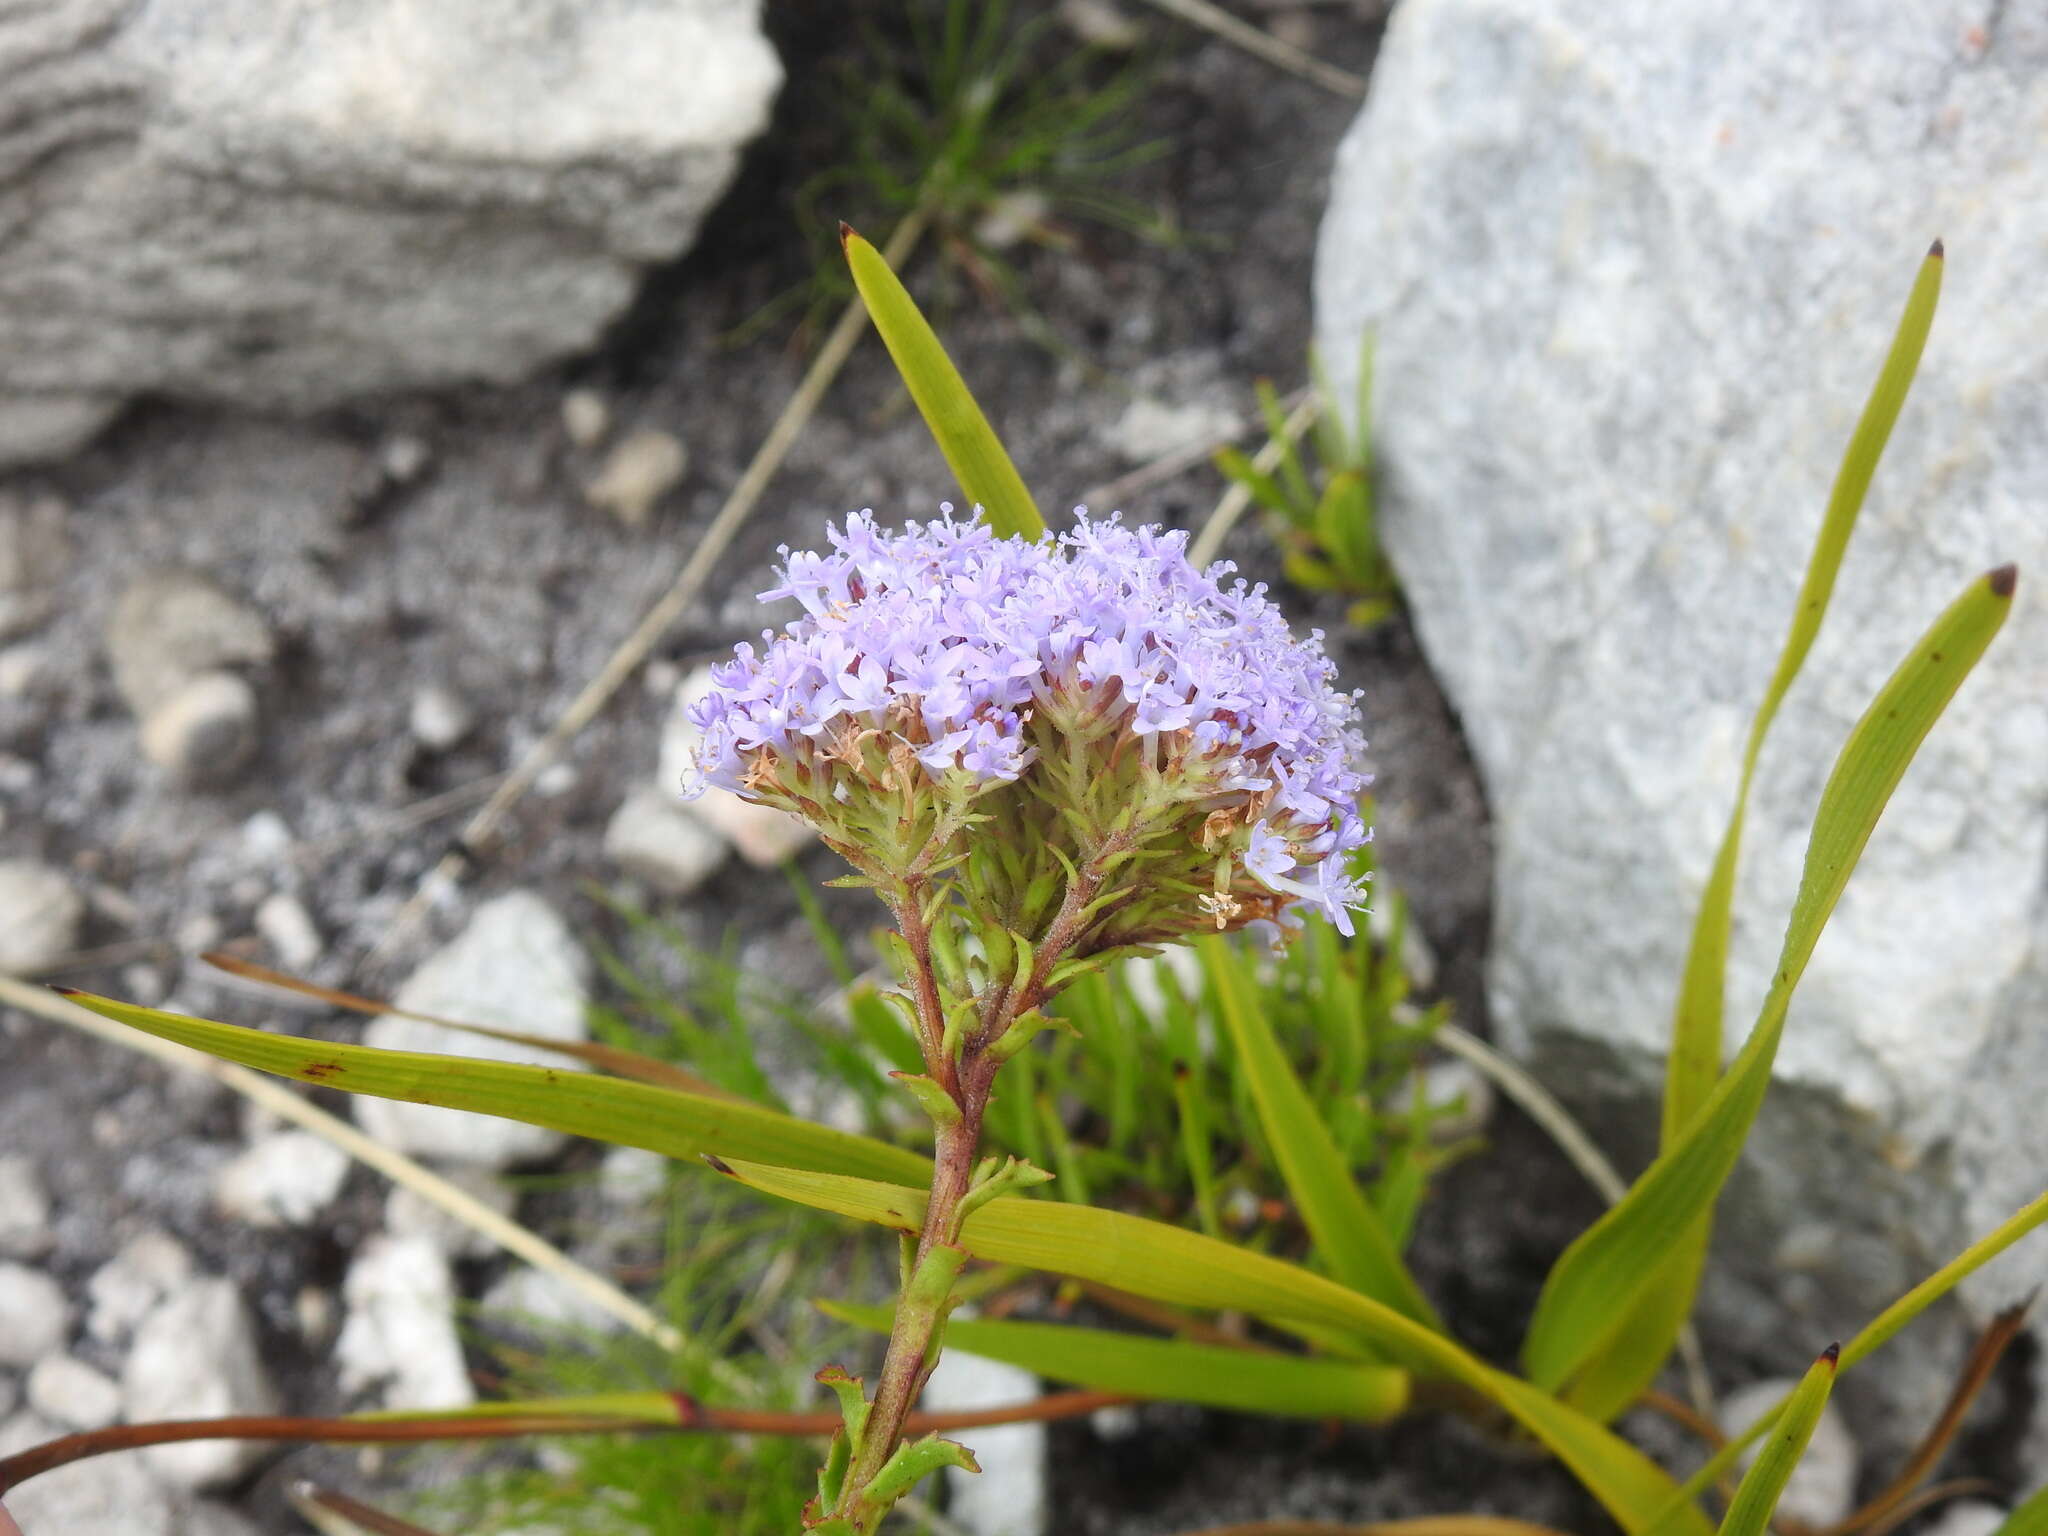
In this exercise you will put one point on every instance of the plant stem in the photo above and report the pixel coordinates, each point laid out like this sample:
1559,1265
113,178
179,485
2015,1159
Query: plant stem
922,1309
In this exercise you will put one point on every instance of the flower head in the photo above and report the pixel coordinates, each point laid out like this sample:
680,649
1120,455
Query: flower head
946,691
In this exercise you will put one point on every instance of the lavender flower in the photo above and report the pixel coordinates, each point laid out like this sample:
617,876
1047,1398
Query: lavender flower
945,689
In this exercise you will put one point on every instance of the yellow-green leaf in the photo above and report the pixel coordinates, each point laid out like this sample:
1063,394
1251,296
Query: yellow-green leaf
1347,1231
963,434
1603,1276
1638,1348
1172,1264
1749,1514
1244,1380
664,1120
1874,1337
2030,1519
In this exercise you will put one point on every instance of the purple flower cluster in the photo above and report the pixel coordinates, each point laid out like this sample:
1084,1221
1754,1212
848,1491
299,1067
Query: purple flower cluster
966,649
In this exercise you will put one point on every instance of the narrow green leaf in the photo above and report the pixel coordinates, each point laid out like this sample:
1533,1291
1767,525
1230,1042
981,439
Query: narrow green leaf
1172,1264
1639,1346
2030,1519
963,434
1696,1029
1243,1380
1874,1337
1601,1278
1750,1512
1347,1230
664,1120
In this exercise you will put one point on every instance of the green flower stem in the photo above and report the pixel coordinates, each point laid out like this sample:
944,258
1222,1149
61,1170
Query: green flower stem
964,1073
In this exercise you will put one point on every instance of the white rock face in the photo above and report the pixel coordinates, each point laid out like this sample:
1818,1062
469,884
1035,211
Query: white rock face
123,1290
40,913
34,1315
516,967
24,1209
407,1214
400,1335
419,194
1632,270
1007,1497
281,1180
67,1391
654,836
196,1356
1823,1486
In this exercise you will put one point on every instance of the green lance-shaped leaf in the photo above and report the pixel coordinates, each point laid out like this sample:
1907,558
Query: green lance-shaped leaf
664,1120
963,434
1172,1264
1348,1232
1639,1347
1604,1276
1874,1337
1215,1376
2030,1519
1750,1512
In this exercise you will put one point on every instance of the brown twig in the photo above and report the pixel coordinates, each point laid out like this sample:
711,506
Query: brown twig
1990,1347
694,1417
309,1498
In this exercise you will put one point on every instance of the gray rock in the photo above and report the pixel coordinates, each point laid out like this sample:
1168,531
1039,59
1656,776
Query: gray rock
129,1285
35,554
172,625
1966,1517
1007,1497
196,1356
586,417
653,837
1822,1491
399,1340
418,195
40,913
523,1300
34,1316
408,1214
67,1391
108,1496
282,1180
24,1209
439,718
515,966
10,1394
204,734
204,1517
644,467
1632,270
288,928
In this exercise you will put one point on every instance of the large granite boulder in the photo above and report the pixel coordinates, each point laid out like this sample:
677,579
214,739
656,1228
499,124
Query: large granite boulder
286,203
1633,268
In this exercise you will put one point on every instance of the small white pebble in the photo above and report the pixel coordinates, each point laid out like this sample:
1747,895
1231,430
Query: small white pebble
641,470
585,417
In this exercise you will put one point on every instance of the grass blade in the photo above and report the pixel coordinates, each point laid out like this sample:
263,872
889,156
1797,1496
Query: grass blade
986,475
1244,1380
1347,1231
1696,1030
1875,1335
1604,1276
675,1124
2030,1519
1171,1264
1750,1512
1640,1345
605,1058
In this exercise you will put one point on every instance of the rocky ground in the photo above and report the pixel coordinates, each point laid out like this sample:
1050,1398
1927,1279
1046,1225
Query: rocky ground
284,658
